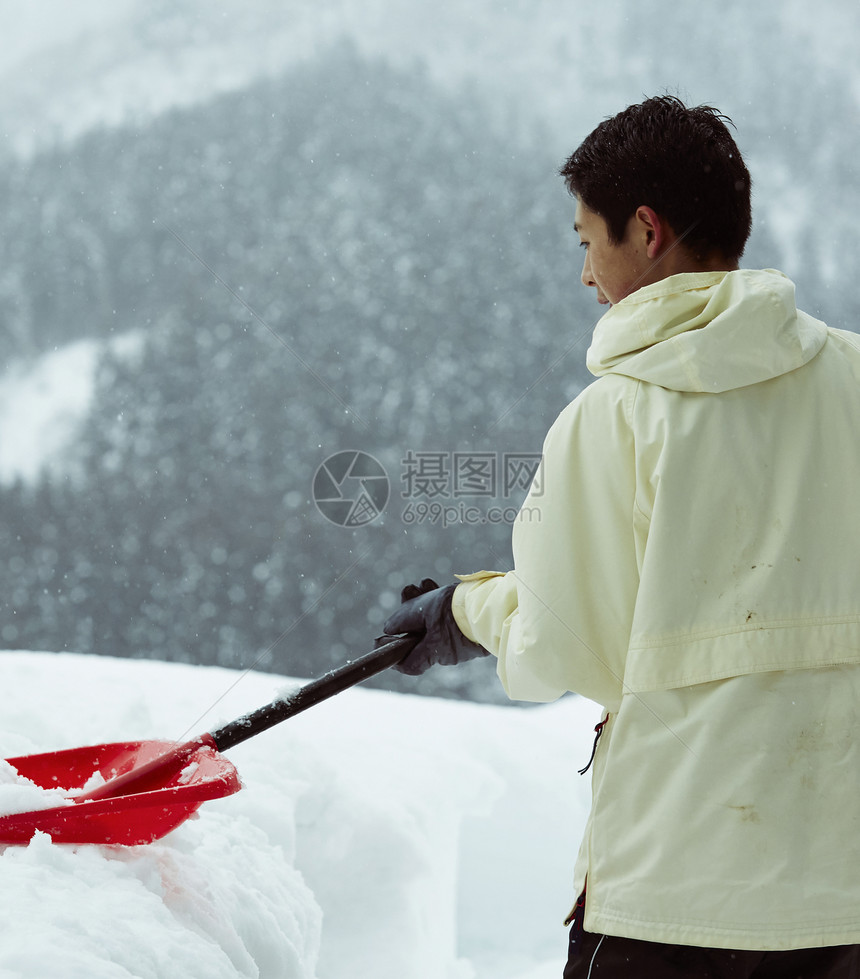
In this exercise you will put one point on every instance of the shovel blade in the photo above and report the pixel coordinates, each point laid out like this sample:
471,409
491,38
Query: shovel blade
126,820
151,787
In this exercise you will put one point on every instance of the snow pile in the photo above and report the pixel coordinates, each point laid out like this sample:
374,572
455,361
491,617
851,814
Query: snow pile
19,794
377,835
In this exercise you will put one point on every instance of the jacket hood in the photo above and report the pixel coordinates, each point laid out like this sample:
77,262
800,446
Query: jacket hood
707,332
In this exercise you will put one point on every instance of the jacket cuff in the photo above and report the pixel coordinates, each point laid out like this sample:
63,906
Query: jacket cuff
468,583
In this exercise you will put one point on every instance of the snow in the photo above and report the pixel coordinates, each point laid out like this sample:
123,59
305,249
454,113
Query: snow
19,794
377,834
45,400
41,406
111,62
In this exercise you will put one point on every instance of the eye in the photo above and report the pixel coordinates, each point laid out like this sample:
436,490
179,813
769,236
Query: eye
583,244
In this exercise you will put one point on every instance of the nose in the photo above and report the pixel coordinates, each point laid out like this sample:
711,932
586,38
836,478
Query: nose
587,277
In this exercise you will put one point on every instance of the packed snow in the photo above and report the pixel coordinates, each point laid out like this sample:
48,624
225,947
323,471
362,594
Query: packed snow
376,835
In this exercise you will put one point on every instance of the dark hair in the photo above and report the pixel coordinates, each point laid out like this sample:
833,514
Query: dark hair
680,161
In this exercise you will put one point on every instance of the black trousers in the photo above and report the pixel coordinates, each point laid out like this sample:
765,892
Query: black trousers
607,957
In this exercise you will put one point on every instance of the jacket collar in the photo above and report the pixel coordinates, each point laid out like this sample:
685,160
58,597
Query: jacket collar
707,332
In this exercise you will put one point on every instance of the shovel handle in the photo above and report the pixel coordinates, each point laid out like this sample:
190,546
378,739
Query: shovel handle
316,691
154,773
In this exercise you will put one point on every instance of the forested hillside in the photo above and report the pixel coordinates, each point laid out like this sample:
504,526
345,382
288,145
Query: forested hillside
338,259
346,235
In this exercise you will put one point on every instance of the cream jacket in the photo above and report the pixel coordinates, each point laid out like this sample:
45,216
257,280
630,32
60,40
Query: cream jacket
689,558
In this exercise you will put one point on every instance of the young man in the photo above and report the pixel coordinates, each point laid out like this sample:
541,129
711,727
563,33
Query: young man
691,563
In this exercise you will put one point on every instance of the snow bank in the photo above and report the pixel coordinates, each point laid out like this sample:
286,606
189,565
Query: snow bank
377,835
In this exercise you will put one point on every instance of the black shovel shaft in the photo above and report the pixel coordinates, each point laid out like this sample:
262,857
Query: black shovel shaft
312,693
153,774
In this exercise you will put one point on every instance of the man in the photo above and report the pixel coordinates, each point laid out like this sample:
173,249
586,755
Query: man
691,563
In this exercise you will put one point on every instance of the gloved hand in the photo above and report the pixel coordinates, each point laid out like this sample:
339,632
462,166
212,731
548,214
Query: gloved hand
427,608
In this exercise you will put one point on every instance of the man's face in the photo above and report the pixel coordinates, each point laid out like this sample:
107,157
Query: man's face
615,270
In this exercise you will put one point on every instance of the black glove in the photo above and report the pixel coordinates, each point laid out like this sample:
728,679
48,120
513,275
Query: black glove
427,608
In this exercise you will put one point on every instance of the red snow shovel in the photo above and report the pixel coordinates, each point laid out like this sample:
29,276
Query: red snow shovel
151,787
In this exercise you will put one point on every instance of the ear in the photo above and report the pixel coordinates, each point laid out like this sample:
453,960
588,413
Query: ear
654,230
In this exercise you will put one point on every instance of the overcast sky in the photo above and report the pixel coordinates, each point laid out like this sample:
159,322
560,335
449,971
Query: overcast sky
28,25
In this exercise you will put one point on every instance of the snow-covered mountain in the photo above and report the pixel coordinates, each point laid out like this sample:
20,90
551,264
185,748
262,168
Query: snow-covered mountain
65,69
372,183
128,61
